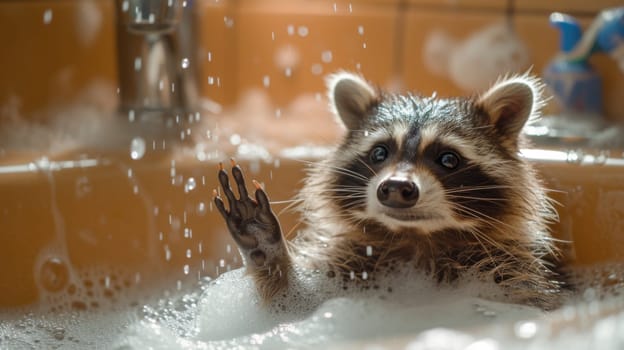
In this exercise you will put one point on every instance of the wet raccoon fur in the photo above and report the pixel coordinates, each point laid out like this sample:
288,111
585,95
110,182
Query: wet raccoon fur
429,181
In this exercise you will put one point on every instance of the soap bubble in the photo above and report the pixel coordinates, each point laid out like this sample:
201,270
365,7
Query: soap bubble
54,275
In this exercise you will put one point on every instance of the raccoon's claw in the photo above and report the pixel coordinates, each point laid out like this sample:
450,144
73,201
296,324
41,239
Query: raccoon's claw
251,222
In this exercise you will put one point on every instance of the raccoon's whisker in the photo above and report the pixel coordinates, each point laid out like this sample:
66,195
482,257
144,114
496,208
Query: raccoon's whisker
486,199
479,235
454,173
481,216
340,170
554,190
478,188
367,166
336,169
291,206
348,173
339,192
285,201
351,187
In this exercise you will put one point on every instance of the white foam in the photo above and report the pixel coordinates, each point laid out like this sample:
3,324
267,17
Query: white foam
404,310
317,311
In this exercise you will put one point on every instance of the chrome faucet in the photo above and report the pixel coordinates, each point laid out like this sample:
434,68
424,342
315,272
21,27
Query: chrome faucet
156,50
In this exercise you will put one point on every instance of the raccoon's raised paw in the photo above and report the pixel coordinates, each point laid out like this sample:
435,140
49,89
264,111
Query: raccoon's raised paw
252,223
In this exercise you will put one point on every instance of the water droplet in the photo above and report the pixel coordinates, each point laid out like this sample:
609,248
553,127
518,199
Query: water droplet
365,275
328,315
210,80
266,81
209,56
574,157
229,22
303,31
316,69
273,36
137,148
235,139
201,209
221,263
363,45
185,63
602,157
326,56
288,72
54,275
360,30
42,163
352,275
369,250
228,248
290,29
167,253
188,253
83,186
131,115
47,16
138,63
186,272
190,185
125,5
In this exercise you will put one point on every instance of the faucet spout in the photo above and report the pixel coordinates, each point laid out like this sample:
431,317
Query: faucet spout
156,45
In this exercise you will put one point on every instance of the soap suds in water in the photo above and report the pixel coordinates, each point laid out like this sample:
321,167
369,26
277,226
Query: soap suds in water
405,310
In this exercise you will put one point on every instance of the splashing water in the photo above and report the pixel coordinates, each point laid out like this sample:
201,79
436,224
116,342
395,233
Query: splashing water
190,185
137,148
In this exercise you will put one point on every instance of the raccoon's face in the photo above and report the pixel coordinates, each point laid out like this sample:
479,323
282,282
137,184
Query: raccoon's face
427,164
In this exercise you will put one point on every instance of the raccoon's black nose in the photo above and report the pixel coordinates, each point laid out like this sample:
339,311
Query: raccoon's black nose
397,193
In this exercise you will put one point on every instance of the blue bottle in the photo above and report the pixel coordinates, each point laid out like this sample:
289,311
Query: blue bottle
575,85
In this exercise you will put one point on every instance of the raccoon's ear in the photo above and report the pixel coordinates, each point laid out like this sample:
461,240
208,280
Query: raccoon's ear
510,103
351,98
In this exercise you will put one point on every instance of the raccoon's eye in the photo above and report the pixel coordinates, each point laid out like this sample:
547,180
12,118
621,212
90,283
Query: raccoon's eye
378,154
449,160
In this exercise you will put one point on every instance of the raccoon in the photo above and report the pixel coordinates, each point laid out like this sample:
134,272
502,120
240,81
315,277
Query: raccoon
434,182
